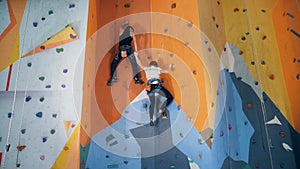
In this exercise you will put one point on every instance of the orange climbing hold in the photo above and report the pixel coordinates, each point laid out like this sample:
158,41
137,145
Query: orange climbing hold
282,134
20,148
249,106
66,148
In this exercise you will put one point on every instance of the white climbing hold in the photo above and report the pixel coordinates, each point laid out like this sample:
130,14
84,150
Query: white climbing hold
274,121
287,147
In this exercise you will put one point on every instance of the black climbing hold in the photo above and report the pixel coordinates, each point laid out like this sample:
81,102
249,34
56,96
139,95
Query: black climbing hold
71,5
125,162
7,147
217,26
127,5
244,10
9,115
107,156
243,38
42,99
28,98
173,5
43,18
252,63
256,83
42,47
263,10
39,114
35,24
29,64
23,131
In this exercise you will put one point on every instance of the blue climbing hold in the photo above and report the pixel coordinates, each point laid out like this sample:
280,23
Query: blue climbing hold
35,24
263,62
63,86
48,86
71,5
39,114
44,139
28,98
72,36
54,115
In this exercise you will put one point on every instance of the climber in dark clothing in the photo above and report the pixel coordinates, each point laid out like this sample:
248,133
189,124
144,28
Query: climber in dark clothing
159,98
126,37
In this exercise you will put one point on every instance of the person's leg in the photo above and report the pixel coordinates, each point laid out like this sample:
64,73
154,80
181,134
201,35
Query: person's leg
151,108
135,71
113,68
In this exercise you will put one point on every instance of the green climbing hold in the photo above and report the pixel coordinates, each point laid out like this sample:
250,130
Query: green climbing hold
252,63
50,12
23,131
263,10
172,166
239,78
113,166
145,105
58,50
191,161
42,78
247,33
42,99
246,122
127,5
29,64
52,131
126,137
247,167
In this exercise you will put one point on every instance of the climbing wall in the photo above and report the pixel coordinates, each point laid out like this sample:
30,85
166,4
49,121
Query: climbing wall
41,83
233,69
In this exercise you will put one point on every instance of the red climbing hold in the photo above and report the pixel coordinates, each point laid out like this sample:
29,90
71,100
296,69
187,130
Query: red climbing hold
236,9
271,77
229,127
264,37
20,148
66,148
241,52
249,106
282,134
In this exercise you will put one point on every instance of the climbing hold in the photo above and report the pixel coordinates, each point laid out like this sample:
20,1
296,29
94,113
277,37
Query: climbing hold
212,104
190,24
107,156
28,98
298,76
42,157
113,166
43,18
65,71
29,64
243,38
42,78
252,63
9,115
42,47
295,33
241,52
209,49
263,10
194,72
181,135
229,127
44,139
39,114
52,131
54,115
186,43
213,18
18,165
256,82
245,123
7,147
263,62
287,147
217,26
218,2
20,148
72,36
230,109
50,12
264,37
35,24
249,106
63,86
145,105
239,78
58,50
165,30
71,5
66,148
127,5
200,141
23,131
42,99
200,156
236,9
48,86
221,133
257,28
282,134
244,10
173,5
271,77
125,162
247,33
178,107
224,49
